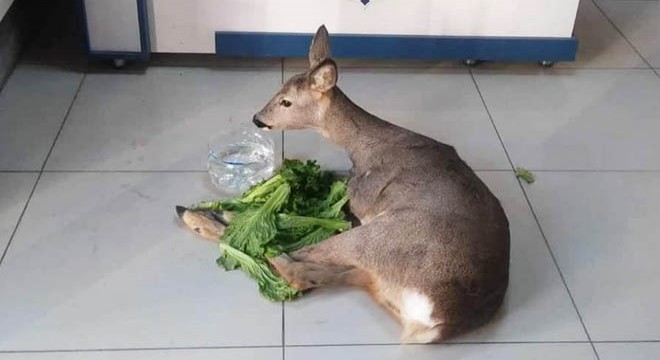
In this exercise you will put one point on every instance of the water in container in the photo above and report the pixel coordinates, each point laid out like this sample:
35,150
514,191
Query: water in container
240,159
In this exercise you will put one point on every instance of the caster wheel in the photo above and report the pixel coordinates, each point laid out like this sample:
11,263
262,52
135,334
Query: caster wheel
119,63
546,64
471,62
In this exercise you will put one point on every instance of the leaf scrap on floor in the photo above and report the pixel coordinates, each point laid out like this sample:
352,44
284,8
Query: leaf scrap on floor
525,175
299,206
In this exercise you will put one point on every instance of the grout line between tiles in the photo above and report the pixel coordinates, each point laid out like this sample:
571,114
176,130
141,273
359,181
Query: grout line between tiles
125,171
561,274
656,71
597,170
282,132
41,171
19,171
625,341
622,34
652,171
282,158
443,344
173,171
325,345
183,348
282,145
490,117
538,224
568,66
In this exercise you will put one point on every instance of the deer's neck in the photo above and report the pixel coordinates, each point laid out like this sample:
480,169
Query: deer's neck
353,128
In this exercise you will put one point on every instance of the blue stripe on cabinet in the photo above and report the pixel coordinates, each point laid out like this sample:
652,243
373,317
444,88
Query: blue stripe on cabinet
252,44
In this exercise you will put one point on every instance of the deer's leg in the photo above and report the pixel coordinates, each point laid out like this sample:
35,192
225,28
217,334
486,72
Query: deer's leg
328,263
206,224
340,249
307,275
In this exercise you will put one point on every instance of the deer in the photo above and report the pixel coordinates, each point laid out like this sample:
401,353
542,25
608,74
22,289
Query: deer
432,244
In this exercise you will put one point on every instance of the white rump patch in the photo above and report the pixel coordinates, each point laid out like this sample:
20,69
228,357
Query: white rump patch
417,307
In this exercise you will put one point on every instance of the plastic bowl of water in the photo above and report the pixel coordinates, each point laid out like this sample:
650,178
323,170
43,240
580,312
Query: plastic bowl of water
239,159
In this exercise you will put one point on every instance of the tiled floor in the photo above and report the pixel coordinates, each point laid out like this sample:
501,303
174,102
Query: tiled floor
96,266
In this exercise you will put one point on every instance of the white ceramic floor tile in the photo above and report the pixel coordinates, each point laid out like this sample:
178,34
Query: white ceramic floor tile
160,120
535,288
639,21
14,191
441,104
33,104
202,354
600,44
101,261
628,351
447,352
603,229
582,119
537,307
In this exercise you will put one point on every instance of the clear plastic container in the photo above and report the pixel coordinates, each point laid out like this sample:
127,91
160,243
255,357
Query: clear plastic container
239,159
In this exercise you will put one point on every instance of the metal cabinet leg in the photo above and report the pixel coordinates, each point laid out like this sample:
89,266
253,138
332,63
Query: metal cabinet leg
119,63
471,62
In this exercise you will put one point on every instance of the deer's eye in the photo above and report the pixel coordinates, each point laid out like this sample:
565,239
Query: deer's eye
285,103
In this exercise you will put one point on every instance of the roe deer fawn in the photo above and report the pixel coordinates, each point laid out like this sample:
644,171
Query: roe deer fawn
433,243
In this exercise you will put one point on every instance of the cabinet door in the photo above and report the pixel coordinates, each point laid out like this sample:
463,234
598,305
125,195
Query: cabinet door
115,28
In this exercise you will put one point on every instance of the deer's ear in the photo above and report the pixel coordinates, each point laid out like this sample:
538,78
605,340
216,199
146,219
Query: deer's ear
324,76
320,48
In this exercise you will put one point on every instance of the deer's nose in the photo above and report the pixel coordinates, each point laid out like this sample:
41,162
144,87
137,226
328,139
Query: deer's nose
258,122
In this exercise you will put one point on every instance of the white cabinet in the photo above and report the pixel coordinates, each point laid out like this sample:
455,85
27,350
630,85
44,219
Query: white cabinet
188,26
492,29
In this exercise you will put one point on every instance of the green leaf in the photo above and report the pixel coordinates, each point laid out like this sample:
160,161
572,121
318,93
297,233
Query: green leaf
227,263
260,192
220,206
271,286
525,175
287,221
252,229
314,237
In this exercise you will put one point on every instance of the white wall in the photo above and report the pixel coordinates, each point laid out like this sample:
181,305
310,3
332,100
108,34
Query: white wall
189,26
4,6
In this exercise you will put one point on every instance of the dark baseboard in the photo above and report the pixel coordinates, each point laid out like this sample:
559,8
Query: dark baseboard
12,40
20,22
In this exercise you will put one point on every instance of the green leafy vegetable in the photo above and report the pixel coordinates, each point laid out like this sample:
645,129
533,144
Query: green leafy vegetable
313,237
286,221
271,286
255,227
525,175
298,206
